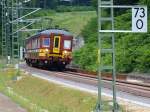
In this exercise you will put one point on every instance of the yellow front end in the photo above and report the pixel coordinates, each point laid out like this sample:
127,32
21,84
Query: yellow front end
67,54
44,52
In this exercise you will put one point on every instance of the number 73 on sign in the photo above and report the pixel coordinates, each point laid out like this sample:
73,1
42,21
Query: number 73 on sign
139,19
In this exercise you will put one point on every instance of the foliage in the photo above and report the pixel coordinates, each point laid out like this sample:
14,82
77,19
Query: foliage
11,73
86,57
132,50
94,3
31,90
0,30
47,95
63,8
52,4
49,4
125,2
145,2
120,2
73,21
82,2
43,13
89,31
36,95
133,46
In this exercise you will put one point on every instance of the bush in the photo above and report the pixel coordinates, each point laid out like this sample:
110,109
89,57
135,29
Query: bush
86,57
132,50
42,13
63,8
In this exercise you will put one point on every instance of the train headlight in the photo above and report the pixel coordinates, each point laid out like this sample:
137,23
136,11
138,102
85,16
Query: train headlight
65,52
46,50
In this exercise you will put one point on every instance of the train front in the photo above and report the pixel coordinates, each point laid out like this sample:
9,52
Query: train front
60,53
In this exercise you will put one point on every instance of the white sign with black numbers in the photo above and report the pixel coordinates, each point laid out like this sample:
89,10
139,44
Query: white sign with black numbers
139,19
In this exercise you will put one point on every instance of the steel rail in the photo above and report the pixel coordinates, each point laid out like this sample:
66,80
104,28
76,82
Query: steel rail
109,79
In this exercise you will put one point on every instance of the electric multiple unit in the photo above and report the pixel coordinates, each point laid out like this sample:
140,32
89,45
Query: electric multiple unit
49,48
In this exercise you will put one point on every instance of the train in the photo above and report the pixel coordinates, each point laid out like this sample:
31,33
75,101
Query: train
50,48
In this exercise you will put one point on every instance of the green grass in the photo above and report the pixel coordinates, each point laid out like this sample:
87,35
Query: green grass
53,97
35,94
49,96
1,66
2,63
73,21
5,76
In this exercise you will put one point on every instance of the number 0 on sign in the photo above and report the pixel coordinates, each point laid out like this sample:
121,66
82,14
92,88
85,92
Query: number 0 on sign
139,19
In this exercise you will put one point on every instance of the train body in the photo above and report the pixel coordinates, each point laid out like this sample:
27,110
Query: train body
51,47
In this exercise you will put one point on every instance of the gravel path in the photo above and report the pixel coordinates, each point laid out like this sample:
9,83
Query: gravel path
6,105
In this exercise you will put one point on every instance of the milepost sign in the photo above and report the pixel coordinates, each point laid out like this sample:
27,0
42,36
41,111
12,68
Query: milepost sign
139,19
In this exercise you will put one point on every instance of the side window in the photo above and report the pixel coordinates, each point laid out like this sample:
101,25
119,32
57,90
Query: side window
67,44
39,43
30,44
34,44
46,42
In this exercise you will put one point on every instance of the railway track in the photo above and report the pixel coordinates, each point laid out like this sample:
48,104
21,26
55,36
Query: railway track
136,89
122,85
121,81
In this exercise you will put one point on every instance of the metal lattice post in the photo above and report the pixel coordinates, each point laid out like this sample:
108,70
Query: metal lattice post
4,49
115,105
15,38
11,28
99,103
105,32
101,66
8,27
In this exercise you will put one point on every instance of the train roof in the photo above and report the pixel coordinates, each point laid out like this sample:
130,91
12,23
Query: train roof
56,31
49,31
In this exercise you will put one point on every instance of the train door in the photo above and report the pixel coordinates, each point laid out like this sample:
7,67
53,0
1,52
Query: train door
56,46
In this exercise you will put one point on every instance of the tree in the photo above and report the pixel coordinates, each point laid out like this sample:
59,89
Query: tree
94,3
120,2
145,2
0,29
51,3
126,2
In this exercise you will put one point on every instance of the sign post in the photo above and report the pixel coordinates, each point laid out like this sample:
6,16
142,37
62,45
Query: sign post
139,25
